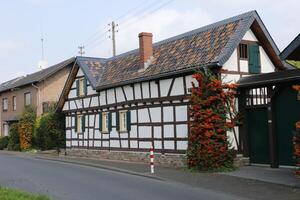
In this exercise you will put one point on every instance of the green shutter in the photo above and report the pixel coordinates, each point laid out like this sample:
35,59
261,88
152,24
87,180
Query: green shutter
83,123
128,122
254,59
77,88
76,118
100,121
118,120
85,86
109,122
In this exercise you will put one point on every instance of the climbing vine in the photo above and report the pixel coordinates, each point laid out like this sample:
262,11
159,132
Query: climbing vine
211,104
26,127
296,139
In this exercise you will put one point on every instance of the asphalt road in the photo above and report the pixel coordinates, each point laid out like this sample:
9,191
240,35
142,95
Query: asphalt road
75,182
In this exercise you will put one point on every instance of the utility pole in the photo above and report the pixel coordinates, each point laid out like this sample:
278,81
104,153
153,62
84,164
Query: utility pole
81,51
113,36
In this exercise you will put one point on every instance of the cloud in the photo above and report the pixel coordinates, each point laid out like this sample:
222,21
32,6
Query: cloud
163,24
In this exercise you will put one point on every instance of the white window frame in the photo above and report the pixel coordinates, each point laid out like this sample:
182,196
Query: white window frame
123,120
79,127
105,122
81,86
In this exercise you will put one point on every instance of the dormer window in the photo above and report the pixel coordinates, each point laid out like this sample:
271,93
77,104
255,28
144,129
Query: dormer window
243,50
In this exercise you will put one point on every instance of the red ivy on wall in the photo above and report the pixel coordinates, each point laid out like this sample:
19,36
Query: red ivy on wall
210,106
296,139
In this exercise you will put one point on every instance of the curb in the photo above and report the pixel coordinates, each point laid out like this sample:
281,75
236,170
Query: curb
105,167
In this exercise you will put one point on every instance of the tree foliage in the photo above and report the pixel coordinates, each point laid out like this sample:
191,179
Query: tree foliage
296,140
14,138
26,127
50,131
211,103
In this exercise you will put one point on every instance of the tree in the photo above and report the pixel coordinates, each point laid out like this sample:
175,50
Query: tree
50,131
211,104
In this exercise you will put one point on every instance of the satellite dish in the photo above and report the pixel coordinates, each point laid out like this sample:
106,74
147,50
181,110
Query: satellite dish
43,64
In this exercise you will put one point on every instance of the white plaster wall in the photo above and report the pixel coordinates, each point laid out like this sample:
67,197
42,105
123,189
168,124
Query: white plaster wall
230,78
168,114
80,72
177,87
143,115
137,91
111,96
102,98
72,93
164,86
128,92
249,35
145,88
155,114
154,89
266,63
231,64
119,94
181,113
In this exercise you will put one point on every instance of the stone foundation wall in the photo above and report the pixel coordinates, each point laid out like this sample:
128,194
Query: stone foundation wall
173,160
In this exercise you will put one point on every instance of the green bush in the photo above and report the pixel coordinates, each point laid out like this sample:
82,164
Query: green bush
3,142
14,138
50,131
26,127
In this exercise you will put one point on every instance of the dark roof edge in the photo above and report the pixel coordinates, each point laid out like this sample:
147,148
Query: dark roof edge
290,47
157,76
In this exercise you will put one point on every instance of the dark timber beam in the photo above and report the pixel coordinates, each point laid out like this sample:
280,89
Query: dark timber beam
271,129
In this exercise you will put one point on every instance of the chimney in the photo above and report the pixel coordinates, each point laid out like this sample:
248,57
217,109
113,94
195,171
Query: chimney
146,49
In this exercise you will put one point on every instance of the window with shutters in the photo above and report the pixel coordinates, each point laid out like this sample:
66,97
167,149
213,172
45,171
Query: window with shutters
254,59
79,123
5,104
123,120
105,122
81,85
243,50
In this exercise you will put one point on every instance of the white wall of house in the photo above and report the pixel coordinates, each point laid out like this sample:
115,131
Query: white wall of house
164,122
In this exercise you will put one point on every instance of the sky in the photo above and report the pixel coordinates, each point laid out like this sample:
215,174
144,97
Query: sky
66,24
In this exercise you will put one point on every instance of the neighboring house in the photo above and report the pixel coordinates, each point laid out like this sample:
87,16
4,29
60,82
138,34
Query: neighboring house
292,51
38,90
140,98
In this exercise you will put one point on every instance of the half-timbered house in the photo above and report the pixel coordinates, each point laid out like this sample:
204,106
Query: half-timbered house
141,98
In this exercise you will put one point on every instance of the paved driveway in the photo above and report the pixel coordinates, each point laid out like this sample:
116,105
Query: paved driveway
72,182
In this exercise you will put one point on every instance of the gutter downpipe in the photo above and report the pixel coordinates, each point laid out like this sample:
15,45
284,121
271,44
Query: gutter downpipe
39,93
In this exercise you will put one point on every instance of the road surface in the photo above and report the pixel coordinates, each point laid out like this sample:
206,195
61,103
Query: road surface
63,181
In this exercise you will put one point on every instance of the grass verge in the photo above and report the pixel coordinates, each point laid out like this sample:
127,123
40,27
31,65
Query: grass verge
13,194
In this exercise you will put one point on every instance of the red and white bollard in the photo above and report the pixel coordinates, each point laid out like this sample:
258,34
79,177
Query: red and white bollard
152,159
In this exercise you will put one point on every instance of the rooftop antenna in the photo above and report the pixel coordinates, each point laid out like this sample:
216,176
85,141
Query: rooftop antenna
42,63
81,51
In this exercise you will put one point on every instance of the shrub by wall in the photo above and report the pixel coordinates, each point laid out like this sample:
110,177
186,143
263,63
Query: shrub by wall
50,131
26,127
14,139
3,142
296,139
211,102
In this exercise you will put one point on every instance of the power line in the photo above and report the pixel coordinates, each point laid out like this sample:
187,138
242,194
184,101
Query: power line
138,9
